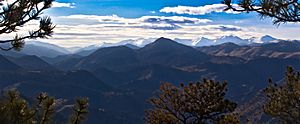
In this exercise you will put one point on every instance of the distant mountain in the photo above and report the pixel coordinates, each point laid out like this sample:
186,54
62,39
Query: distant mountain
236,40
43,49
163,51
60,58
33,63
174,53
48,45
283,46
74,49
141,42
203,42
225,39
114,58
122,57
12,53
85,52
132,46
36,48
282,49
7,65
233,39
268,39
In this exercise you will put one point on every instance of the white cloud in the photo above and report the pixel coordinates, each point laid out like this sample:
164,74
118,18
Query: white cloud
201,10
54,4
60,5
144,19
144,22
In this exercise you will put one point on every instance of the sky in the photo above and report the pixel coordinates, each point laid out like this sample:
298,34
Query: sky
87,22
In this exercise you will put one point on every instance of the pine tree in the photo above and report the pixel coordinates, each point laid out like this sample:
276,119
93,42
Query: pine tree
196,103
283,102
15,14
281,11
16,110
80,111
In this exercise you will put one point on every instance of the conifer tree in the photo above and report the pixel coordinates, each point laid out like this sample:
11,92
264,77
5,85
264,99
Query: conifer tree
283,102
16,110
80,111
15,14
196,103
281,11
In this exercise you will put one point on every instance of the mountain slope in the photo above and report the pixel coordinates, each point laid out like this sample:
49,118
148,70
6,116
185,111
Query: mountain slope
32,63
48,45
113,58
167,52
282,49
43,50
7,65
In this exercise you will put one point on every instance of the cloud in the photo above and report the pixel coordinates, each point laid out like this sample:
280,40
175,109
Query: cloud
173,20
229,28
144,22
201,10
54,4
144,19
63,5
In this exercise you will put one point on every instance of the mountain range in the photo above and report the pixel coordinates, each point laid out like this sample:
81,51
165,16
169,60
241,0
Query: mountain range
47,50
141,42
119,79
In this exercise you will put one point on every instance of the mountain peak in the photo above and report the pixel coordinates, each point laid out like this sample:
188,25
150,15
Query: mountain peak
164,44
163,41
203,41
230,37
267,38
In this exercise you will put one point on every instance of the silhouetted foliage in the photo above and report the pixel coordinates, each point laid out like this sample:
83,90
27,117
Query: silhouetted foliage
281,11
14,14
283,102
80,111
201,102
16,110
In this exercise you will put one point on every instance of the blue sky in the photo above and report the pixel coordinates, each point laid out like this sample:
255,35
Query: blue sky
124,8
87,22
